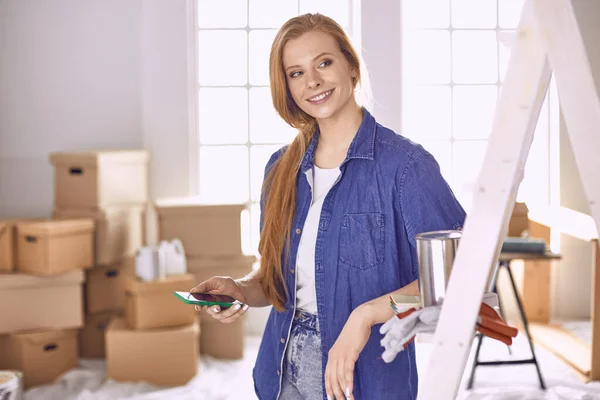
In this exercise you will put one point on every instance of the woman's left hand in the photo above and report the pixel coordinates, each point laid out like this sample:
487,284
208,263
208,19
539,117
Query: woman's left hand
339,372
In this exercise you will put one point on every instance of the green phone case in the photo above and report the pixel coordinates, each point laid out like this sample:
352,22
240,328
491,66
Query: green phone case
202,303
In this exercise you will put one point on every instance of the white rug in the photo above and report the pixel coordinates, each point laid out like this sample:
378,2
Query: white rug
228,380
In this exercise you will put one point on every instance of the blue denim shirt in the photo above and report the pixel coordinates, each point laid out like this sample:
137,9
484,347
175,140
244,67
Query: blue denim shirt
389,190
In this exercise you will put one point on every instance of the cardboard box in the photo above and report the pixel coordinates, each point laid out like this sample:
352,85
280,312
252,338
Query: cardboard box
105,287
92,336
54,246
519,220
99,179
119,231
163,357
8,242
221,340
7,246
41,356
204,230
154,305
31,302
206,268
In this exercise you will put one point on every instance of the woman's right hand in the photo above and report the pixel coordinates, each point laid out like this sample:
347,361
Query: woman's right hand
223,285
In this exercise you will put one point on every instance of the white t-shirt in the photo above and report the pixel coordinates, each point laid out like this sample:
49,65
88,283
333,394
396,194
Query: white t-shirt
306,298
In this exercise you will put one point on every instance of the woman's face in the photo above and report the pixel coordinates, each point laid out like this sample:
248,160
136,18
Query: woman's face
318,75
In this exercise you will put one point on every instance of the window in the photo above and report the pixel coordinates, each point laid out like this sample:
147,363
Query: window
455,56
238,128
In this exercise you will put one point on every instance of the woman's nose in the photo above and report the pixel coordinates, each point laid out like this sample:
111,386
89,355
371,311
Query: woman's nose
314,80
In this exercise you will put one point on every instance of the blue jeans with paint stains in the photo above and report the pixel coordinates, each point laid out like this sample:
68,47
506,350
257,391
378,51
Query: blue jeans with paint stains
302,376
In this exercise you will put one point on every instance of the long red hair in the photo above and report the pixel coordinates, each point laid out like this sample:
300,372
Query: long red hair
279,188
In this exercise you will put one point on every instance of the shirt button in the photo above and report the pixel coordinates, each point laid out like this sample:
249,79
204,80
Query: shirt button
278,372
292,270
298,230
282,340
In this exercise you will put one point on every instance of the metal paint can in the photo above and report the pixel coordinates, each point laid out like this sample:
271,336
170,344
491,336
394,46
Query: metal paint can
436,251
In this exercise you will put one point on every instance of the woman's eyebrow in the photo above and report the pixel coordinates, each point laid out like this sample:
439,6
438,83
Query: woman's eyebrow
319,56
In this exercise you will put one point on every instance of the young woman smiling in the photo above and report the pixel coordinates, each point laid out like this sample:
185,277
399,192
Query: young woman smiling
341,206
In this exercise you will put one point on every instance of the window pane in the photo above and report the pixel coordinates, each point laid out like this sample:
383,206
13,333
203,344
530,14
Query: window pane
425,13
224,174
216,106
505,41
474,108
442,152
467,161
475,57
271,13
474,13
218,67
336,9
265,125
509,13
222,14
428,113
259,156
260,48
427,57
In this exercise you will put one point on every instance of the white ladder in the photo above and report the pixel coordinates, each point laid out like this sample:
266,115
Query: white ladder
548,41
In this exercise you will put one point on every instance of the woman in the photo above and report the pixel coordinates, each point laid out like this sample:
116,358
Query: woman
341,207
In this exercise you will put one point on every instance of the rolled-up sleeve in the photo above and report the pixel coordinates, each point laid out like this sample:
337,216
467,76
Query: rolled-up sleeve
426,200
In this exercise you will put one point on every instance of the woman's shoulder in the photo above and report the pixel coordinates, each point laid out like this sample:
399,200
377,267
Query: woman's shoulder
391,146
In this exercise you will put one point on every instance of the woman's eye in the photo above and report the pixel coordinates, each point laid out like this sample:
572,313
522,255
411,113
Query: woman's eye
325,63
295,74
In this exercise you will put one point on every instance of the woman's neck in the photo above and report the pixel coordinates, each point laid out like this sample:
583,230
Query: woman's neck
336,135
338,131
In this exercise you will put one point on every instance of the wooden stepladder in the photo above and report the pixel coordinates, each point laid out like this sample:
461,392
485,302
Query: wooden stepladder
548,41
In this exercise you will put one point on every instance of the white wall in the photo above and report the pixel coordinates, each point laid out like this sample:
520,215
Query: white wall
381,50
69,79
168,90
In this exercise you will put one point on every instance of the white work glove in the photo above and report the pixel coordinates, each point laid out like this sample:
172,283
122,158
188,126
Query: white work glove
409,321
399,332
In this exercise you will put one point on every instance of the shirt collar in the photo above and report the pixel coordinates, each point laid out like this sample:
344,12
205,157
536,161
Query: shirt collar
362,145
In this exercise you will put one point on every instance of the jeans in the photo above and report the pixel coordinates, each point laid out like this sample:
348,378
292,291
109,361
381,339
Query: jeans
302,376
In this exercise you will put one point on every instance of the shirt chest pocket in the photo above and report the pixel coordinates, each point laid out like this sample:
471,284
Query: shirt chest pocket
362,240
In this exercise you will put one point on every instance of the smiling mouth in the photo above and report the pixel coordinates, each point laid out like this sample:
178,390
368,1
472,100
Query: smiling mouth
320,96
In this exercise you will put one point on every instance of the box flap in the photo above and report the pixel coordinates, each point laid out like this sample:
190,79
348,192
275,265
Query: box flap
96,157
52,227
96,214
101,321
125,267
520,209
45,337
20,281
119,324
4,227
182,282
241,262
193,206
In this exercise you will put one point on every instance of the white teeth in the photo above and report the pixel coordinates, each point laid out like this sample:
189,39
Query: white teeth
320,97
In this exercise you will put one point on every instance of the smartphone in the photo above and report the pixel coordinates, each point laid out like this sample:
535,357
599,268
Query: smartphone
204,299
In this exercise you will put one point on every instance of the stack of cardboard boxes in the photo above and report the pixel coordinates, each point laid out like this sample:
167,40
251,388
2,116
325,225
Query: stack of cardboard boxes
211,237
96,226
156,330
110,188
68,285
